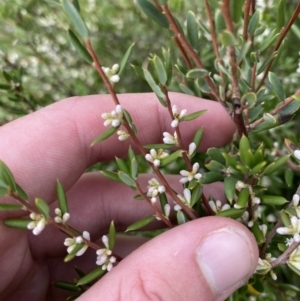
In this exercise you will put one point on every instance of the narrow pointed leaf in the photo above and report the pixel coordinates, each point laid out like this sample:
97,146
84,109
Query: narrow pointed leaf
196,194
22,194
243,198
104,135
67,286
232,213
192,30
72,255
211,177
153,13
91,276
181,219
227,38
276,85
10,207
43,207
134,168
215,166
160,70
274,166
155,88
61,197
140,224
216,154
125,178
79,47
112,235
19,223
257,233
280,15
229,188
111,175
246,154
197,73
122,165
194,115
163,201
273,200
158,146
198,137
125,59
75,19
253,22
171,158
6,177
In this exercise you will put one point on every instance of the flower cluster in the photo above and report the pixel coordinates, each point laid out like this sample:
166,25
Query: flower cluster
155,156
177,116
154,188
114,118
185,199
122,135
170,139
38,223
104,257
294,227
294,259
71,243
188,176
217,206
61,218
111,73
264,266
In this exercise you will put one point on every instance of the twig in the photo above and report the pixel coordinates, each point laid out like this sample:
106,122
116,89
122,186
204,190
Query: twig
283,257
282,35
247,6
275,111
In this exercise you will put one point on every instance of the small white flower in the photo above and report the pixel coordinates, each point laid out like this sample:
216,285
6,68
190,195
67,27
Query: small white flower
114,118
240,185
217,206
154,188
122,135
61,218
104,257
188,176
297,154
111,73
177,116
38,223
167,209
170,139
186,198
155,156
293,229
192,148
71,243
296,199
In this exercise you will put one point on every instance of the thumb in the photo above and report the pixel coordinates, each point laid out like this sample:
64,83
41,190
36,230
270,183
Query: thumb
206,259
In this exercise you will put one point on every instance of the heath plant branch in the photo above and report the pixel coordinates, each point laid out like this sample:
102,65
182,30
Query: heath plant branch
283,104
156,170
282,259
247,7
214,39
183,53
282,35
191,53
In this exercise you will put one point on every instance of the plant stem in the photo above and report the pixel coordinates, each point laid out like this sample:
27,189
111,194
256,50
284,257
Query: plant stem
247,6
282,35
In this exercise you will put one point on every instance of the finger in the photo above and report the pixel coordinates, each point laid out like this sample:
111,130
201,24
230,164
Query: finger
205,259
54,142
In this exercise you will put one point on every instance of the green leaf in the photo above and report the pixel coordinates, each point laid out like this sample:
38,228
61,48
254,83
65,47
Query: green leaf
185,89
246,154
219,21
112,235
232,213
134,168
216,154
291,108
250,99
197,73
155,88
259,154
22,194
227,38
67,286
122,165
274,166
280,15
230,160
243,52
257,169
10,207
192,30
181,219
125,178
198,137
194,115
91,276
19,223
257,233
62,198
153,13
196,194
158,146
43,207
125,59
6,177
268,41
139,71
273,200
213,165
111,175
129,120
211,177
141,223
229,188
160,70
168,65
171,158
5,87
79,47
75,19
276,85
243,198
105,135
163,201
285,218
236,10
253,23
72,255
289,177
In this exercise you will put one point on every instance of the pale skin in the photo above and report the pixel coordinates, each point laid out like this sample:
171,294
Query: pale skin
54,143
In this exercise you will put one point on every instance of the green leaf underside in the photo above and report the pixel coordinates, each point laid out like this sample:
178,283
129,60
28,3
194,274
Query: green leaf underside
105,135
62,199
91,276
18,223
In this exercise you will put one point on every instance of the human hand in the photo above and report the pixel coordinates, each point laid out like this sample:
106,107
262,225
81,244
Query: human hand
206,259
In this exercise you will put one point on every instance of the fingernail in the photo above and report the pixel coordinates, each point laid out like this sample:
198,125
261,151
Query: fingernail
225,258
